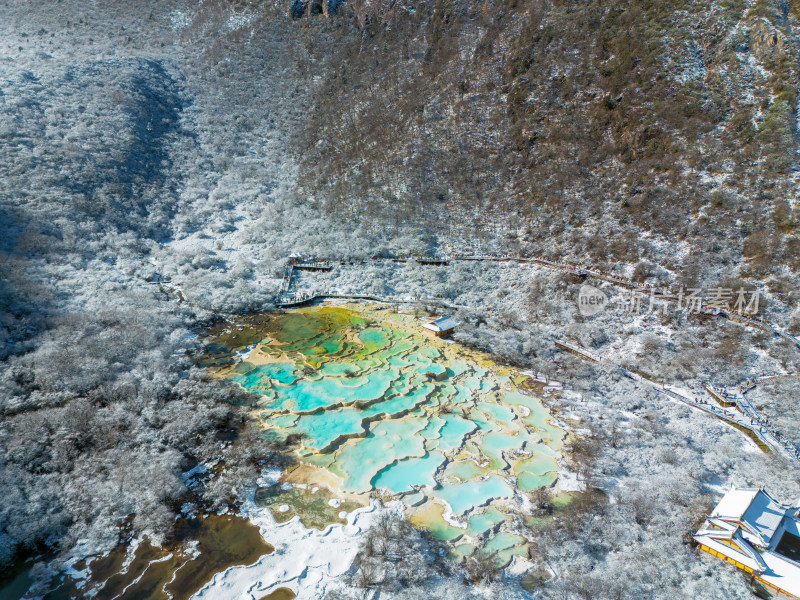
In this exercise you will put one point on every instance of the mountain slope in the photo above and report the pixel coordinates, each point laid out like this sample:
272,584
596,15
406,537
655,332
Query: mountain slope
599,130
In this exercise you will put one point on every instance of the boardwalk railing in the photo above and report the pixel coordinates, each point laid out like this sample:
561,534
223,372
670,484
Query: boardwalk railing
664,293
746,417
750,418
287,280
582,352
291,300
737,395
313,266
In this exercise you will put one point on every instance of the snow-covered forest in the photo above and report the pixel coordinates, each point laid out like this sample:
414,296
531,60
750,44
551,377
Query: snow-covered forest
160,160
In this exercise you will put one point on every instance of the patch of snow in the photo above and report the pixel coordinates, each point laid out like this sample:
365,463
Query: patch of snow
518,566
750,446
451,519
165,558
568,481
198,470
189,510
237,21
79,576
308,562
268,477
132,548
179,19
245,354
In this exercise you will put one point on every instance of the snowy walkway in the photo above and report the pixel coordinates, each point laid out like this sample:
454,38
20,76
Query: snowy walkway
743,415
662,293
737,396
288,298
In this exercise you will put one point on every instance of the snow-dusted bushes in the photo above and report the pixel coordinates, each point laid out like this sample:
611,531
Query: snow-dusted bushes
146,142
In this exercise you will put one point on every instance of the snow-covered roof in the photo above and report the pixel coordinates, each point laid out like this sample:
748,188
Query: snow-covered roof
735,503
732,545
764,515
758,513
441,324
747,526
782,573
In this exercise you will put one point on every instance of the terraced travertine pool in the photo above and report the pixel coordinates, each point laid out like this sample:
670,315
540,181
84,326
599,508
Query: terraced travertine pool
383,409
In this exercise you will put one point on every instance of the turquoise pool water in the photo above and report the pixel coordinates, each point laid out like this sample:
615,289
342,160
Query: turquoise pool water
465,496
482,522
379,407
407,473
387,442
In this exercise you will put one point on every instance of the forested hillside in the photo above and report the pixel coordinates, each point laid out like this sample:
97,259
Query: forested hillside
612,131
160,160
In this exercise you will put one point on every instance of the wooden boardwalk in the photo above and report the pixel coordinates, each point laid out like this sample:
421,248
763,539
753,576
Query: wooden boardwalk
660,293
306,299
737,396
286,284
289,298
736,409
313,266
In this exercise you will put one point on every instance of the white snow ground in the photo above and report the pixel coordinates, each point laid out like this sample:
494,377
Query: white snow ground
306,560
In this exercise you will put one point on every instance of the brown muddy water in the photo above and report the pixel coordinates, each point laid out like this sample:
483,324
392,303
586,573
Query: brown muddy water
198,549
280,594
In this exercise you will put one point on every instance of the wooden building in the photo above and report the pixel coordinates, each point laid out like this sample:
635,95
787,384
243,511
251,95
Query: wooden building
757,534
442,326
